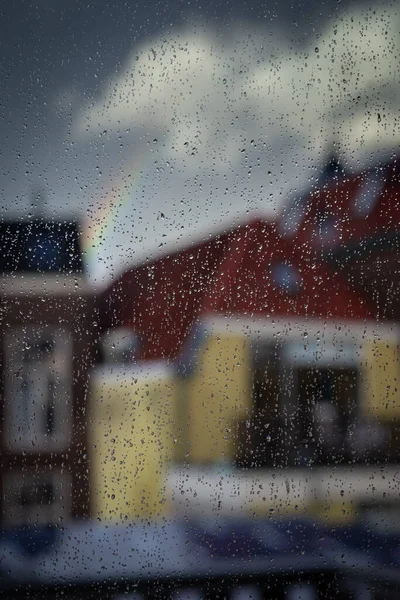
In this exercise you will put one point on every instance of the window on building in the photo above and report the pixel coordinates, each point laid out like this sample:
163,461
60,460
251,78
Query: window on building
368,193
327,228
40,245
286,277
38,382
36,498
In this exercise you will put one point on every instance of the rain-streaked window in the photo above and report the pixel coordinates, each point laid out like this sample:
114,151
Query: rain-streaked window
286,277
368,193
199,300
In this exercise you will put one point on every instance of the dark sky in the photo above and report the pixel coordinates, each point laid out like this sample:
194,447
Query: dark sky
51,43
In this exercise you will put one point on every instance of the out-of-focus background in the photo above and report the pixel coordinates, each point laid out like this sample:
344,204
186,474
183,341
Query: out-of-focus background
201,113
199,290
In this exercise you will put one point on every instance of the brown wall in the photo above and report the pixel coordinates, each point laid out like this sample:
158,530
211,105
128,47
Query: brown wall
78,313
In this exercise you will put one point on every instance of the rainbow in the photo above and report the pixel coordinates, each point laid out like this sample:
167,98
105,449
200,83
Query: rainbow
101,223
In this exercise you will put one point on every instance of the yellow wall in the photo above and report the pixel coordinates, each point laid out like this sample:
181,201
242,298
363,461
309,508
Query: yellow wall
135,420
131,433
216,396
381,379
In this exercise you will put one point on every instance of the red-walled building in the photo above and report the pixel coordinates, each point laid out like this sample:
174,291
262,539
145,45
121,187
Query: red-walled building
252,270
160,300
352,222
266,274
305,273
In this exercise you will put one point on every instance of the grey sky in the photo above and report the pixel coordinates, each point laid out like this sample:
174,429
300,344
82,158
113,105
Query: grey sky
213,111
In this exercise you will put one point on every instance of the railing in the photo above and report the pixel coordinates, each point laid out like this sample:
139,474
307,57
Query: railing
282,584
186,562
304,584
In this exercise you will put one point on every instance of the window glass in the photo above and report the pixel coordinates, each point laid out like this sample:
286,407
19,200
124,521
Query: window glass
286,277
37,388
368,193
199,299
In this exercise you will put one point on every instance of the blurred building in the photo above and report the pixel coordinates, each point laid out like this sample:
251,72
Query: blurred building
285,355
131,421
47,329
160,300
352,223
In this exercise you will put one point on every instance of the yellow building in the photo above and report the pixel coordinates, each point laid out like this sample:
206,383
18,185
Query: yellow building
157,438
131,440
242,361
249,373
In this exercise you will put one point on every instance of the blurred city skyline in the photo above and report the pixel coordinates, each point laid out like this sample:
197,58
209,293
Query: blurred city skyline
157,124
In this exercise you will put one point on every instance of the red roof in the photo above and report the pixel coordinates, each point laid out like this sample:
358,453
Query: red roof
160,300
353,223
346,209
374,207
251,270
266,274
264,268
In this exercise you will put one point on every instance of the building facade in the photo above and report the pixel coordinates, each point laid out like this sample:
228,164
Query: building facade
47,331
285,361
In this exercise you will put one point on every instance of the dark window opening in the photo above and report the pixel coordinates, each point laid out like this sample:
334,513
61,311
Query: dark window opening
286,277
260,437
40,246
327,400
36,495
327,427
